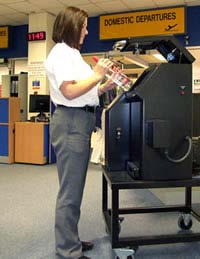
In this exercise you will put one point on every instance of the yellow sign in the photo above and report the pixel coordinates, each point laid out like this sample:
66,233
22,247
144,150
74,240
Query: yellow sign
143,23
4,37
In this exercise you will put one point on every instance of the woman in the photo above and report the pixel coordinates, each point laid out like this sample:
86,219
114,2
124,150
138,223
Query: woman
75,89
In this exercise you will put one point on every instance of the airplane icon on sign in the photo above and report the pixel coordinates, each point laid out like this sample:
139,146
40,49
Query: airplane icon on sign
170,27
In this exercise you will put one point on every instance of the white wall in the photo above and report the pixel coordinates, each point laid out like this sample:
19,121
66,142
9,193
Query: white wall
20,65
195,51
3,71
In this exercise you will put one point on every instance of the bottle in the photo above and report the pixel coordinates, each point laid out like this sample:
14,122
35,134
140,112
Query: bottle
117,76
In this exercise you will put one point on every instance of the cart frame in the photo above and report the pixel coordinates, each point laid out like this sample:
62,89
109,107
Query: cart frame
122,180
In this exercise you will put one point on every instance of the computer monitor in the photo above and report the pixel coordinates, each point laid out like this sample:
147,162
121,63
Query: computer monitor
39,103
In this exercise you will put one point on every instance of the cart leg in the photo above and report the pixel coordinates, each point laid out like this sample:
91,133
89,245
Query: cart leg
123,253
115,217
188,198
104,194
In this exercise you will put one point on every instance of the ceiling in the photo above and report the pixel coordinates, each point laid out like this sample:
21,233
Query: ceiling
16,12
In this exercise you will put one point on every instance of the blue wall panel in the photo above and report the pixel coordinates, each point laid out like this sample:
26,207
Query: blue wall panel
92,42
4,110
46,140
193,22
4,140
19,44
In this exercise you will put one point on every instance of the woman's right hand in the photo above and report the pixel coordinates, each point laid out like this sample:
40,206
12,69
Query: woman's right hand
101,67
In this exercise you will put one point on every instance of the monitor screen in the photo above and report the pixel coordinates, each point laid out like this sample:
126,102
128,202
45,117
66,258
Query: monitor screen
39,103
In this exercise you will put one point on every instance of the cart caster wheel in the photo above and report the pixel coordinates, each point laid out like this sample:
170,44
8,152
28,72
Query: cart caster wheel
185,221
125,253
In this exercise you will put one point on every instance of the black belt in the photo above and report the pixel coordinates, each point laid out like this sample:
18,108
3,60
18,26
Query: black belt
86,108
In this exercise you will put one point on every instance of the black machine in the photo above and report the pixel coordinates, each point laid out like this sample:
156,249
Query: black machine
148,129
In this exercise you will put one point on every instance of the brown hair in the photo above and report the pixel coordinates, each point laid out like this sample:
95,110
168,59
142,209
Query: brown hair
68,25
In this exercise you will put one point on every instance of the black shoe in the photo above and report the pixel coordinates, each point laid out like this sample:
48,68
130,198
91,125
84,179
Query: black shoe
86,246
84,257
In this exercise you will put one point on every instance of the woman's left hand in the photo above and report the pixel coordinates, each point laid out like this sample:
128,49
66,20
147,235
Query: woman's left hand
108,85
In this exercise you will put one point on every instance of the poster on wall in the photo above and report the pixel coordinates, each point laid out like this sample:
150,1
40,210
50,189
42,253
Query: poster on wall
37,74
36,68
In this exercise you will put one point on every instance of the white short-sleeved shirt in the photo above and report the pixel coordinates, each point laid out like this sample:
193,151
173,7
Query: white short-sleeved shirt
66,64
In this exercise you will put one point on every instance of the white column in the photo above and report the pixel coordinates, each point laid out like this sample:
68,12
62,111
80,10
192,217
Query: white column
38,52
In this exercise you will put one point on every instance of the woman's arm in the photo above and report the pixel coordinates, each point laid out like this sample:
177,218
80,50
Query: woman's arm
74,89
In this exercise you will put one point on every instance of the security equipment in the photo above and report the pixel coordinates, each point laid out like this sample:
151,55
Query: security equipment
148,130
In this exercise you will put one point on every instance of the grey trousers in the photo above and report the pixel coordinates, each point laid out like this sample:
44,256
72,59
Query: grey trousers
70,131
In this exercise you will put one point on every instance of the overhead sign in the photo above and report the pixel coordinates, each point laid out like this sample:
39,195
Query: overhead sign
4,37
143,23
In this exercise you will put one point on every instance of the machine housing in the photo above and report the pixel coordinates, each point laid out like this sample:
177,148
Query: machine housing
148,129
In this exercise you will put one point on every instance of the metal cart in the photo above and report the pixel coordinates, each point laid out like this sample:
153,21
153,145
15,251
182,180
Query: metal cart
125,247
